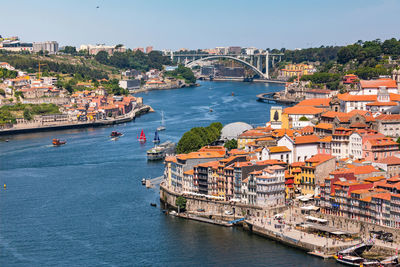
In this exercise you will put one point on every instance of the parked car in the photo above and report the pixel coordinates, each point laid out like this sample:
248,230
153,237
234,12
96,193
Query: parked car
201,210
228,212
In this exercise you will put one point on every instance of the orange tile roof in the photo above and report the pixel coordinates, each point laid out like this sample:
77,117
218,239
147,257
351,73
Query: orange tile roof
210,164
325,126
189,172
315,102
306,139
297,164
374,179
282,132
384,196
326,139
392,160
361,98
366,199
388,117
384,141
303,110
307,129
199,155
377,103
320,158
389,83
364,169
278,149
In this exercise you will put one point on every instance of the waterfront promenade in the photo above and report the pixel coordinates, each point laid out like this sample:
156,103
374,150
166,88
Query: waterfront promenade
51,126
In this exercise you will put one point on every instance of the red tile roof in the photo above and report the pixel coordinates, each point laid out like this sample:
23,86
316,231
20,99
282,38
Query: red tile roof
389,83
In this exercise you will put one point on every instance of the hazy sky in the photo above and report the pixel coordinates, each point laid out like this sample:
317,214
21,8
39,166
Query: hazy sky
174,24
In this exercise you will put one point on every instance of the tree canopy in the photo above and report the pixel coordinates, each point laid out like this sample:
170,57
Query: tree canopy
183,73
198,137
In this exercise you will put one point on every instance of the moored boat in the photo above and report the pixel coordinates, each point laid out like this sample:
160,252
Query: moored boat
159,152
58,142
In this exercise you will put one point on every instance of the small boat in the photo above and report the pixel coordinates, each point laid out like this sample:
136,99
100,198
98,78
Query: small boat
115,134
58,142
143,181
156,139
349,260
211,110
153,204
162,127
142,138
233,94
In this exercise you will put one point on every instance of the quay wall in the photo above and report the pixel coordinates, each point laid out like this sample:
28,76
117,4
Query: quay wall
77,125
214,208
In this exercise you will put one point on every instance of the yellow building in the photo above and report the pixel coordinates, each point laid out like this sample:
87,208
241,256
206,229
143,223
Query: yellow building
298,70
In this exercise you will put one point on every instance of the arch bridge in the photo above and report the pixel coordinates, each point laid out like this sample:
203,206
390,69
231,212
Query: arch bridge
254,62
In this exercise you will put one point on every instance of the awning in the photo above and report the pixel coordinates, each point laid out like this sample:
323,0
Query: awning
309,208
311,218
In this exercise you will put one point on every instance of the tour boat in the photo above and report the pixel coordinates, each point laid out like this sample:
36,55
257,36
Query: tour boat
153,204
58,142
142,138
115,134
159,152
349,260
156,139
162,127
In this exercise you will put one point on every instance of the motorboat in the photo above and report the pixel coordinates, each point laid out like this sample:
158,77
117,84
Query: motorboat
160,151
162,126
116,134
58,142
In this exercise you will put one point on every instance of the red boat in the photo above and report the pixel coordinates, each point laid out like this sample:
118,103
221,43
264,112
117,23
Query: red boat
58,142
115,134
142,137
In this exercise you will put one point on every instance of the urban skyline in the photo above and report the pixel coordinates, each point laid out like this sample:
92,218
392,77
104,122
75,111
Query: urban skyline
287,24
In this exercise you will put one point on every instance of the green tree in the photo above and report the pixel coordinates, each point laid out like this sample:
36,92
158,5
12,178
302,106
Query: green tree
102,57
27,115
180,203
398,141
231,144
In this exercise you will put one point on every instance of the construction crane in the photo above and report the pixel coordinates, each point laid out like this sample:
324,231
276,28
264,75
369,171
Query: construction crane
41,64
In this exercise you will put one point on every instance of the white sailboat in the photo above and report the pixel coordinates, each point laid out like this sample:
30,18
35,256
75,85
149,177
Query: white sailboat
162,127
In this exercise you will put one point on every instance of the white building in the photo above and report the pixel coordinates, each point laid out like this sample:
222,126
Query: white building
301,147
270,187
355,145
277,152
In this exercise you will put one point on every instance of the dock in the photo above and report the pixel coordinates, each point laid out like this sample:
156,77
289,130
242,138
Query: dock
202,219
269,98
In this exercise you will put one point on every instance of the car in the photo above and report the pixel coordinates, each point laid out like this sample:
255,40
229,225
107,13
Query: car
228,212
201,210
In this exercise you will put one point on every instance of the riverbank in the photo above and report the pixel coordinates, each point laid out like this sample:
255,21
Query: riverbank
77,125
143,90
234,79
261,221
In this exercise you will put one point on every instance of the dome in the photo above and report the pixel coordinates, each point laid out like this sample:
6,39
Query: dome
233,130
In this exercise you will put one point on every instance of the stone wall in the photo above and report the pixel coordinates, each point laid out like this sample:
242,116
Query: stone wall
168,198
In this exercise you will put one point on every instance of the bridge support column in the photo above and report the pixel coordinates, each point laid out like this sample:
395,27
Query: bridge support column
267,65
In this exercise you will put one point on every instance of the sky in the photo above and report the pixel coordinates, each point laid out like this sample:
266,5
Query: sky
193,24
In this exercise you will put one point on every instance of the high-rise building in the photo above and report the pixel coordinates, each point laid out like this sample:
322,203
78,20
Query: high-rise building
50,46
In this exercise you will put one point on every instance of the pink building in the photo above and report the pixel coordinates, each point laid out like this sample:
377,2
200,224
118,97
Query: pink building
379,148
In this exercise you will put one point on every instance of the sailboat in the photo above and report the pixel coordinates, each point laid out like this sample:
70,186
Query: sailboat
142,138
156,139
162,127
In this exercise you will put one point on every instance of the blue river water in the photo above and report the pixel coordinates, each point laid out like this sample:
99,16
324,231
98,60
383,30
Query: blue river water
83,204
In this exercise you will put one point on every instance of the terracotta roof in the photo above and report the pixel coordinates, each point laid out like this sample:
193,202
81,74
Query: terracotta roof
306,139
362,98
377,103
389,83
297,164
303,110
307,129
392,160
388,117
384,196
320,158
278,149
364,169
315,102
326,139
384,141
324,125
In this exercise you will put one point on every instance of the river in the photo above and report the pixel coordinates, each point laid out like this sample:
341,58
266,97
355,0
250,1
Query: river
83,204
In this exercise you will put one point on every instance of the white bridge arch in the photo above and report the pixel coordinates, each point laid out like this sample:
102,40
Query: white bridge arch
196,61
